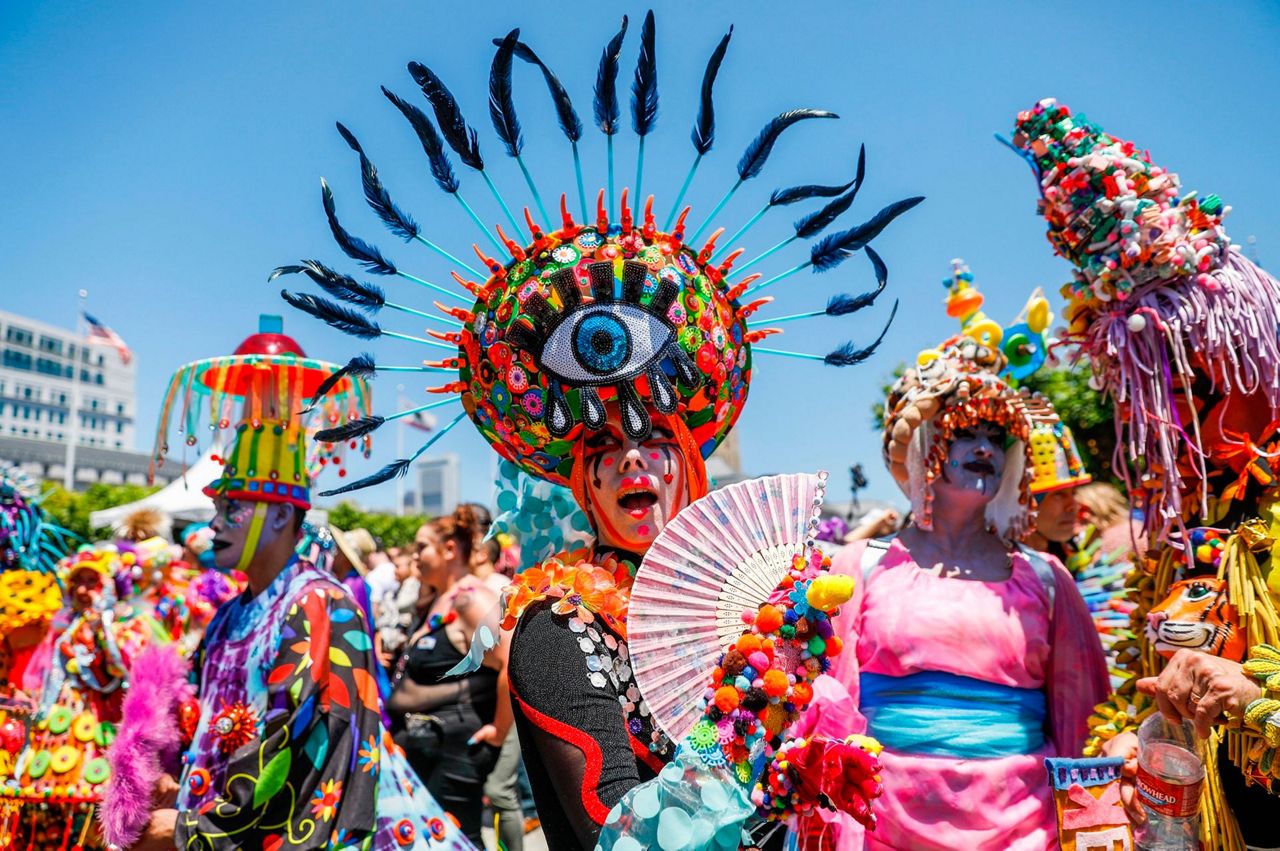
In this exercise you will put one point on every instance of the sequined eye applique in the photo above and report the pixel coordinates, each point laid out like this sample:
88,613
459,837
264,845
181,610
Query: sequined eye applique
607,341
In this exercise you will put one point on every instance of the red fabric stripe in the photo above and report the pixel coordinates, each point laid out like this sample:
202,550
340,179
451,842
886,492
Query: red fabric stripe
645,755
595,808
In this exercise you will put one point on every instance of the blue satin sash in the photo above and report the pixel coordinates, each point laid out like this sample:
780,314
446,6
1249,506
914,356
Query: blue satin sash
939,714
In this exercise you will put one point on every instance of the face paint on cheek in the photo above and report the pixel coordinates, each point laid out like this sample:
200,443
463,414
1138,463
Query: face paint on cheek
239,513
251,540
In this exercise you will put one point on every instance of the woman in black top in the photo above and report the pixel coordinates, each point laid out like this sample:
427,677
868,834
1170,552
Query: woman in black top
451,728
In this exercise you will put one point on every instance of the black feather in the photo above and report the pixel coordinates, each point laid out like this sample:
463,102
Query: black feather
454,128
704,128
644,89
570,123
394,470
607,109
502,106
349,431
783,197
360,366
397,221
844,304
848,354
831,251
816,222
432,144
757,152
337,316
353,246
338,285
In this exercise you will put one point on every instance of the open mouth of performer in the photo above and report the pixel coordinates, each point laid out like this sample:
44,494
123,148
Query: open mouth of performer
633,488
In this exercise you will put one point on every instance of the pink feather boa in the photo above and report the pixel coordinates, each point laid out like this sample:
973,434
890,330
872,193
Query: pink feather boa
149,743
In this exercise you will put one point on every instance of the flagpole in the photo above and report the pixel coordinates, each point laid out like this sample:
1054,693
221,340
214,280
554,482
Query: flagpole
400,427
73,437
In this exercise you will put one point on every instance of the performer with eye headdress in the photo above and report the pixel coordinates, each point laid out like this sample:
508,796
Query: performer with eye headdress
610,353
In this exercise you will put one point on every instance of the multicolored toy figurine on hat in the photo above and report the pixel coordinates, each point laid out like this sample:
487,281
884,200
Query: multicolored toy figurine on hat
1180,329
1055,461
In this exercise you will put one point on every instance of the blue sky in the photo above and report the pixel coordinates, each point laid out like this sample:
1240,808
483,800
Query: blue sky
166,156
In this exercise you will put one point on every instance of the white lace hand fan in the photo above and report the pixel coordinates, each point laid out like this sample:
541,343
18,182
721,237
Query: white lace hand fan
723,555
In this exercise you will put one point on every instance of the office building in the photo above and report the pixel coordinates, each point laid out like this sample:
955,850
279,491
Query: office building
438,479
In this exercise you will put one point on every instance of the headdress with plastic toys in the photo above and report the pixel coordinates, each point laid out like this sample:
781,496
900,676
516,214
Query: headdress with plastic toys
955,386
1159,297
268,378
617,305
31,544
1055,460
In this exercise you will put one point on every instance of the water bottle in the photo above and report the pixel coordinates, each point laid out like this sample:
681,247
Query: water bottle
1170,777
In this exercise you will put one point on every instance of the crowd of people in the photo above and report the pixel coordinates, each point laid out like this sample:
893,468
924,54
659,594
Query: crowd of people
632,657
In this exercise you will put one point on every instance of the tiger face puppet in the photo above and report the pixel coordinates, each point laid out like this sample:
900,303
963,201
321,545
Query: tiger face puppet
1196,616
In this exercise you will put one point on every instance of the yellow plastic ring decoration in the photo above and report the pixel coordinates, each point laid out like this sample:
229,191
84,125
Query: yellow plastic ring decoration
85,727
1038,316
39,765
59,720
96,771
64,759
986,331
927,357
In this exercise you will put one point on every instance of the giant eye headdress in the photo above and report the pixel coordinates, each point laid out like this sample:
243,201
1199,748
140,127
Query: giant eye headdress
576,314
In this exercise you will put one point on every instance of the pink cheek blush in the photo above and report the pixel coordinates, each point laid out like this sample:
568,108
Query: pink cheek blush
643,530
654,455
608,462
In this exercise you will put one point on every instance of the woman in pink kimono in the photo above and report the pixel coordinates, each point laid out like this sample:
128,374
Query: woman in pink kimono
970,658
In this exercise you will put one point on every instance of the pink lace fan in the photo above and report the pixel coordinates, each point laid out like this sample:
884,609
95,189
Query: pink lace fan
720,557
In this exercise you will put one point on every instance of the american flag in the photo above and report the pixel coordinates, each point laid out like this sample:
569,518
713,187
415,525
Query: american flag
102,334
422,420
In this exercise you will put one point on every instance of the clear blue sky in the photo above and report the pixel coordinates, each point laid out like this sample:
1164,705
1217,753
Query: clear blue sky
166,156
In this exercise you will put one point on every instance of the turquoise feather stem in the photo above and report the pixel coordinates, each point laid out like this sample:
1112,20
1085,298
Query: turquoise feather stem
582,192
767,254
790,317
434,317
778,277
515,226
537,197
415,369
757,350
445,254
427,407
450,293
441,433
684,187
484,230
715,211
639,199
613,211
731,241
435,343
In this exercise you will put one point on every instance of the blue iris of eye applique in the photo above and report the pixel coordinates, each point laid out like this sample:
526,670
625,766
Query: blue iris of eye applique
607,341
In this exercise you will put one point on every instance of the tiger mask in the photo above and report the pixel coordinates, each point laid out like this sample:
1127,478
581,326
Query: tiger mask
1196,616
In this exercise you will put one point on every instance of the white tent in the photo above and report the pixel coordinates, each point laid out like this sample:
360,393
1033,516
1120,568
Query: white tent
181,499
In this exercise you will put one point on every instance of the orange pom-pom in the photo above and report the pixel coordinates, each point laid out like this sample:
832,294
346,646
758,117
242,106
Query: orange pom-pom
717,675
834,646
726,699
775,683
802,693
769,618
748,644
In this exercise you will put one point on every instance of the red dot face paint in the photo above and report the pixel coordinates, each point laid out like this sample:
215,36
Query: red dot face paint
608,462
654,456
643,529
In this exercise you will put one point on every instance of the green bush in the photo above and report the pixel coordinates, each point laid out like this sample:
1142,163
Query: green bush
392,530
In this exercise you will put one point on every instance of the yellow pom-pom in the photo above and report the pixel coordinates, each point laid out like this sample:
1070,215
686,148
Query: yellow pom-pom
865,743
830,591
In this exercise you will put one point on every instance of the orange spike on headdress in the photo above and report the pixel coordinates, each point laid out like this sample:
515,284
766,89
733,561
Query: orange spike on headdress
710,248
741,287
751,307
533,229
513,247
447,363
447,336
471,286
650,228
565,218
678,232
759,334
602,218
729,261
626,213
458,313
451,387
496,269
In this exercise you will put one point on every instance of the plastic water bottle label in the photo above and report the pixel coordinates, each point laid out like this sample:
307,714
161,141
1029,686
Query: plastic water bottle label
1169,799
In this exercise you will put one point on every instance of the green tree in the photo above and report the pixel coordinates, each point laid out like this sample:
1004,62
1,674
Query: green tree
392,530
71,509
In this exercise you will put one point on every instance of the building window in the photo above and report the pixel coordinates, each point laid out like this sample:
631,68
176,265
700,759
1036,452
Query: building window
51,345
119,405
26,413
119,428
98,378
18,336
16,360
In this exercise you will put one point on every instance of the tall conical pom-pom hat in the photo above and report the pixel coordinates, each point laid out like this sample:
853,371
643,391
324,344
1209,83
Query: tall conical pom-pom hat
561,316
1160,299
